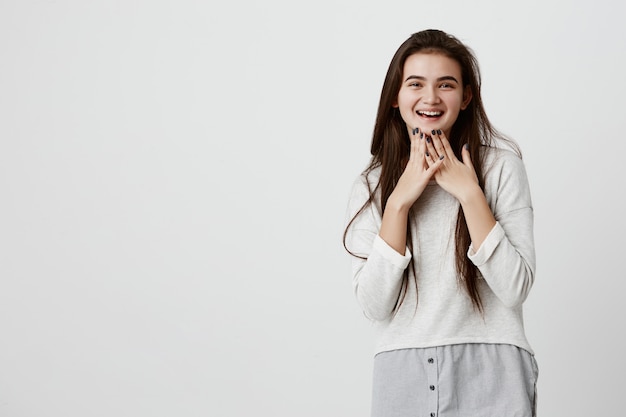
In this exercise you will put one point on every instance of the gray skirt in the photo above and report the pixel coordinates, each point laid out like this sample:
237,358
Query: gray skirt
469,380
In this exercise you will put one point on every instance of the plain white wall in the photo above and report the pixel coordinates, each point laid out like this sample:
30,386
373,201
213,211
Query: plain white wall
173,179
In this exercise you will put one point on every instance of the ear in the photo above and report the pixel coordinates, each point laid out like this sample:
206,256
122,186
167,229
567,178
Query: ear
467,97
395,104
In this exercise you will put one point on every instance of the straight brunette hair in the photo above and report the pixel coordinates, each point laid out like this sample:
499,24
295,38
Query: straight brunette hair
391,144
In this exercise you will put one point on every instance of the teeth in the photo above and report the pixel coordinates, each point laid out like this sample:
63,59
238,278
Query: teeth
429,113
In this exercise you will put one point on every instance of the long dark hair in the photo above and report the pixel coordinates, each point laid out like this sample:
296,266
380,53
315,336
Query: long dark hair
391,143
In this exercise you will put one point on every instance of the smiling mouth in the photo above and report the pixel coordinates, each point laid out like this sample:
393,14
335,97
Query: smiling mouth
429,113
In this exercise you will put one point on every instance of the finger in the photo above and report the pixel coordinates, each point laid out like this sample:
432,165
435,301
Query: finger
430,155
428,158
430,148
422,145
434,164
438,143
445,143
427,150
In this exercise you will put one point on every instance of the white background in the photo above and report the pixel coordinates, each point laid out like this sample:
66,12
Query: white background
173,181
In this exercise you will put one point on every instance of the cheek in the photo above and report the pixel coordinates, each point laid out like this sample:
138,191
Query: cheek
455,104
459,100
405,102
406,109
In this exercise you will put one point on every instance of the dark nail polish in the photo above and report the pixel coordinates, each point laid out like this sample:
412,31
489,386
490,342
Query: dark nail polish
421,135
441,157
439,131
427,154
434,132
427,138
466,146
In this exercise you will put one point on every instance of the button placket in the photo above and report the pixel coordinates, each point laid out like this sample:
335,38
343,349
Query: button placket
432,372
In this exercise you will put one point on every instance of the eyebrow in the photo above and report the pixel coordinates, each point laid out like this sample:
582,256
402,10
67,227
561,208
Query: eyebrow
444,78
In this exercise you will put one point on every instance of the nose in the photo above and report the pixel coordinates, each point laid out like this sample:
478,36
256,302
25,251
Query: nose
431,95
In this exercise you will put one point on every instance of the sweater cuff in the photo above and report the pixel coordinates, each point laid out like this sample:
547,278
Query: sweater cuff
488,247
391,254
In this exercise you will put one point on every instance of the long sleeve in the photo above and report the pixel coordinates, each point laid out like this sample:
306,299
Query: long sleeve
506,259
377,279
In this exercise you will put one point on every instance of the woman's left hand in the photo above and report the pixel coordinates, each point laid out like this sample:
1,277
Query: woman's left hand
456,177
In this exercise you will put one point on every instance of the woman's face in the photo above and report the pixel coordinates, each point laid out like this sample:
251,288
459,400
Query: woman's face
431,95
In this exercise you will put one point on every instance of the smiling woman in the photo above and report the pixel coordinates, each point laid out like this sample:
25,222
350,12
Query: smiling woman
432,94
448,316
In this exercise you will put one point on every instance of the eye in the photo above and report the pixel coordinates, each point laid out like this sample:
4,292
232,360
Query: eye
415,84
446,85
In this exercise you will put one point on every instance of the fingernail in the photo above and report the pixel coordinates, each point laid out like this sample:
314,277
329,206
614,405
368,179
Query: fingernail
427,154
441,157
415,130
434,131
428,139
421,135
466,146
439,131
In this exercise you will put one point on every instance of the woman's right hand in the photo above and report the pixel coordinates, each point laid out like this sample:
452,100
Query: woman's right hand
410,186
416,175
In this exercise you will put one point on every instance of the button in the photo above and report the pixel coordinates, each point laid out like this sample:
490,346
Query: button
431,360
432,387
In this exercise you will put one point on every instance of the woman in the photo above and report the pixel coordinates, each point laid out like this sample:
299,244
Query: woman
440,226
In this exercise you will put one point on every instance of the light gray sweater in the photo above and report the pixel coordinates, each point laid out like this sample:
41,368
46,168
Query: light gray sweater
444,314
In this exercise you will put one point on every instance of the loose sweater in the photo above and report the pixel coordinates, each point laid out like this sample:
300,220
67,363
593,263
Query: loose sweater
441,312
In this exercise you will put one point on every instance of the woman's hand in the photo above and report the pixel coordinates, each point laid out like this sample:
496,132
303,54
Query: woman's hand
416,174
410,186
459,179
456,177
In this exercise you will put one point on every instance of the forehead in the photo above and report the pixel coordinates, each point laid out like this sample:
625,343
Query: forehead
431,65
